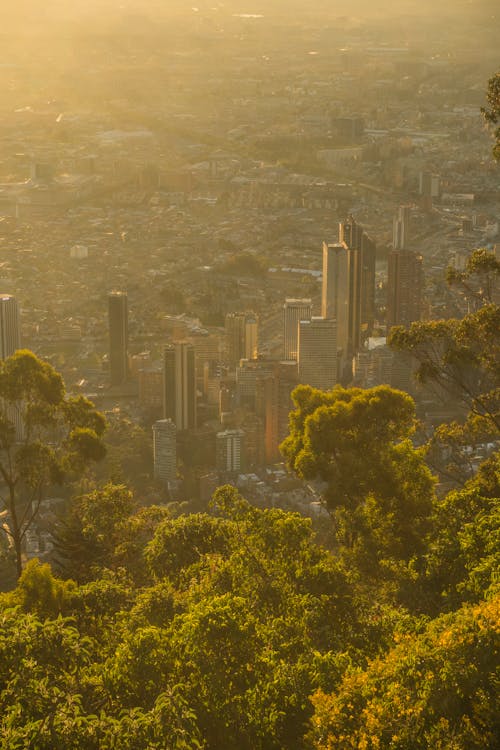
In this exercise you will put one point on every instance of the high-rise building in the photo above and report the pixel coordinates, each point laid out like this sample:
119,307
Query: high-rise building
429,184
294,310
247,374
318,353
348,292
361,270
165,450
401,228
118,337
404,288
274,403
335,303
179,385
10,329
241,336
10,341
229,450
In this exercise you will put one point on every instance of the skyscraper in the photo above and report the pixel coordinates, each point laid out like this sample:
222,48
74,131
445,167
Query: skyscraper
401,228
404,288
229,450
179,385
294,310
164,450
318,353
10,330
348,293
362,253
10,341
335,296
118,337
241,336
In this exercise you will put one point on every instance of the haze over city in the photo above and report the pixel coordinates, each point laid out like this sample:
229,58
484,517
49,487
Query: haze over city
249,345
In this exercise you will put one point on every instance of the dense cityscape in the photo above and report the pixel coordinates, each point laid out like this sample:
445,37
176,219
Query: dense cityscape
203,211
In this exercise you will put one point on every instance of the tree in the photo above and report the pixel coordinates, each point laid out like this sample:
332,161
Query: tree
379,489
45,437
437,688
461,357
492,113
86,537
479,279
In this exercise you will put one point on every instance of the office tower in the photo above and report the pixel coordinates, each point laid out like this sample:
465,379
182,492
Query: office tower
273,404
401,228
164,450
361,270
229,450
241,336
10,329
118,337
335,302
429,184
253,436
179,385
294,310
318,352
247,374
10,342
404,288
348,292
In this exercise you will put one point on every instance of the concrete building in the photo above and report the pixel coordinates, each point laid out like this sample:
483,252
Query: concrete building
401,228
335,290
10,342
229,450
318,353
294,310
404,288
179,385
241,336
164,450
10,329
118,337
348,292
362,253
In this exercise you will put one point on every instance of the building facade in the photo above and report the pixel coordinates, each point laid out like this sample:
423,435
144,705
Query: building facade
241,336
179,385
318,353
229,451
294,310
10,328
404,288
165,450
118,337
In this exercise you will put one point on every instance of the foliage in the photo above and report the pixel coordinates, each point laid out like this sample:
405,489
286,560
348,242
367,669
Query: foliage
45,437
244,264
463,557
462,358
479,278
435,689
378,486
492,113
104,530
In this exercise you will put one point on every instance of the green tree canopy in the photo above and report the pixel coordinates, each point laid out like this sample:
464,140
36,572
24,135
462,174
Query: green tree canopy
379,488
491,113
435,689
45,437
